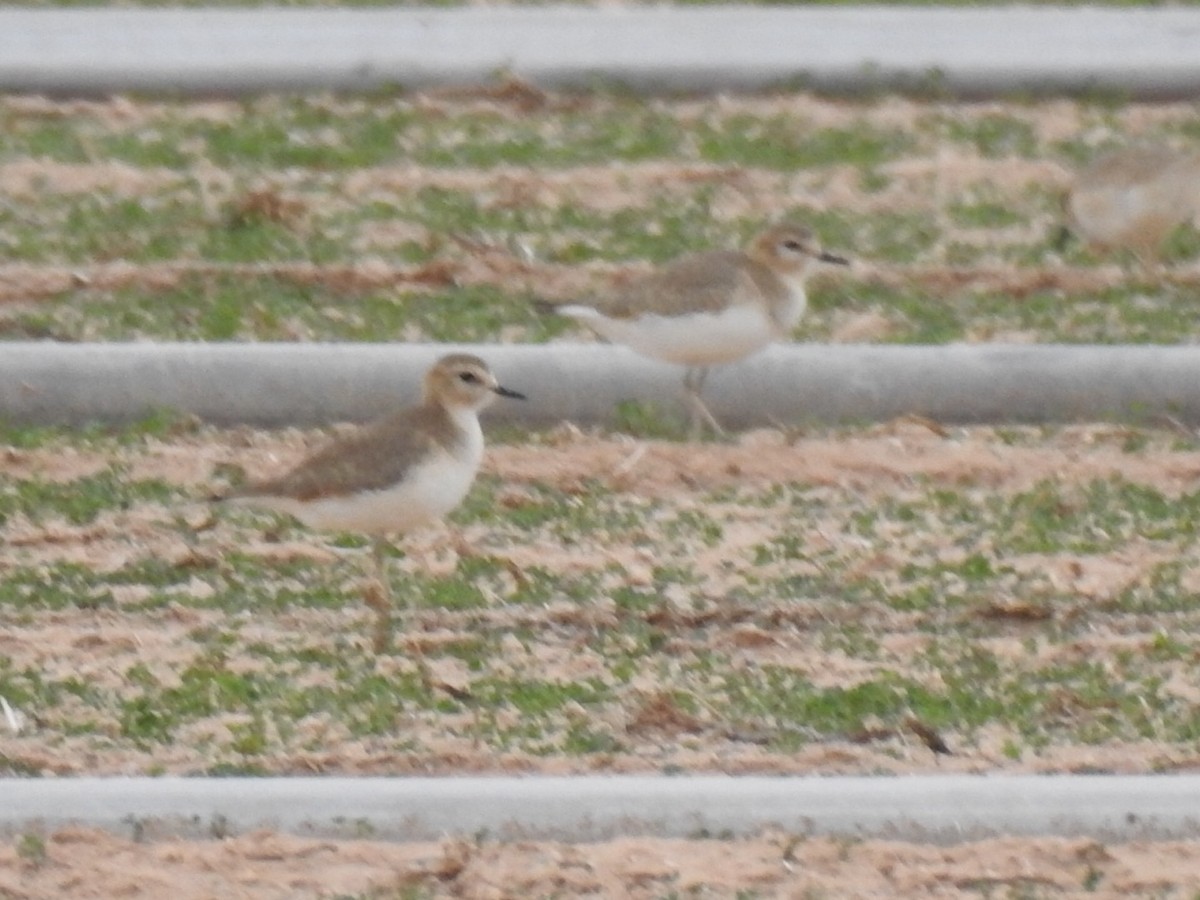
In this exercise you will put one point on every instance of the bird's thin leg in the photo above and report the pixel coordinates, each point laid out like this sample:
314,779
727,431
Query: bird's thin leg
380,599
1148,259
381,602
693,383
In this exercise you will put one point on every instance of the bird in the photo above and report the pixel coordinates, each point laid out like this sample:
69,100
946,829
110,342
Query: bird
709,308
397,474
1133,198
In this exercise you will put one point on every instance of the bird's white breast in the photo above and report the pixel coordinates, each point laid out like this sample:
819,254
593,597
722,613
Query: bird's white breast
791,310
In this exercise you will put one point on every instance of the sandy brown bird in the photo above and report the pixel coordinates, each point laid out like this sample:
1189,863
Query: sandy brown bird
1133,198
710,308
399,473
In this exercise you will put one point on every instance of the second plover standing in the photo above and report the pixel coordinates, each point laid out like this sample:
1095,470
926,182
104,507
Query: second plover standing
709,308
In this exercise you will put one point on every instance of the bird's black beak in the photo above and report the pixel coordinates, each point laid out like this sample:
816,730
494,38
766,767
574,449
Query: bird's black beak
505,392
833,259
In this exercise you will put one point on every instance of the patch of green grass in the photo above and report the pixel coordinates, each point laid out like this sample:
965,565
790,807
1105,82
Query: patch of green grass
64,586
98,227
79,501
18,437
1161,592
299,132
625,131
267,308
249,582
985,214
1049,518
993,135
537,698
590,511
31,849
1118,315
784,696
789,144
648,421
365,703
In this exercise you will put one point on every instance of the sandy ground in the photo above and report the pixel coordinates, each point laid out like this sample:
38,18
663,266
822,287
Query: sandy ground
86,863
874,464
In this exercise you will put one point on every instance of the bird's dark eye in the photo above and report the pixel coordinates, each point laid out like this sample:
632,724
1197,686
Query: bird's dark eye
793,245
468,377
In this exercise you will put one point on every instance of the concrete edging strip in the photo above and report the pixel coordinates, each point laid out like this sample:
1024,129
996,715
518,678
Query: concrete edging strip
936,808
304,384
1138,53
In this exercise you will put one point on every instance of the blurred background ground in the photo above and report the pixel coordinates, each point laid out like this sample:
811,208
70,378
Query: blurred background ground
791,601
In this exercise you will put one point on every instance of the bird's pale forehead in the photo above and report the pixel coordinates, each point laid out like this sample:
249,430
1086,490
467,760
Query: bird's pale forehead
461,362
453,359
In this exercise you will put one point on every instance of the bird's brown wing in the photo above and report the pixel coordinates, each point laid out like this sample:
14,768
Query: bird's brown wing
376,457
703,282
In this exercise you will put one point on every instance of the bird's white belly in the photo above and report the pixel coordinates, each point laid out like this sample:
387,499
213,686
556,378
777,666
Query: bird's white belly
694,339
429,492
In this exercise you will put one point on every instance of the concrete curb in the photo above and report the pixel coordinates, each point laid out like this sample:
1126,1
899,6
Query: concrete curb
942,809
1140,53
285,384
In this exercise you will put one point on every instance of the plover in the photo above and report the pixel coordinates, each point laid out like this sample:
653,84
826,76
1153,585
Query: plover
709,308
1133,198
399,473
